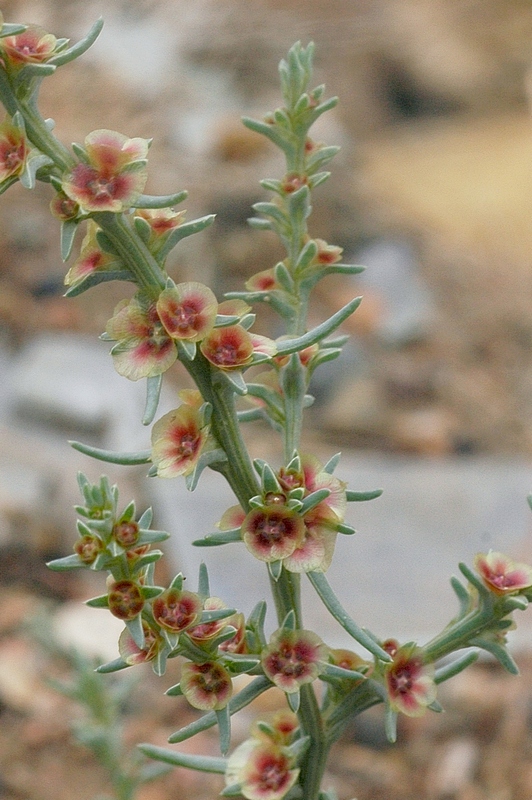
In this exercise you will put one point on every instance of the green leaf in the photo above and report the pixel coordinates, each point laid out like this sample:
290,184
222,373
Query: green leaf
112,666
455,667
11,29
499,652
64,564
293,700
259,224
333,605
128,459
33,164
237,703
98,602
197,763
236,380
68,233
474,579
280,138
203,581
153,395
186,350
29,71
235,790
283,277
160,201
136,630
80,47
357,497
332,463
98,277
218,538
275,569
223,717
313,499
332,671
207,459
184,230
322,156
143,228
272,210
390,724
287,346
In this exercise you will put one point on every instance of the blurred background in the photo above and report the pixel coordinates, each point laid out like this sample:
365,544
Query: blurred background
432,397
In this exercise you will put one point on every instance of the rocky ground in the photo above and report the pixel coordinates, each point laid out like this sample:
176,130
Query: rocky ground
431,192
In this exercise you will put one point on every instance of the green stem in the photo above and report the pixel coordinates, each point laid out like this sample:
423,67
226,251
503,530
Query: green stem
133,252
216,390
458,635
287,596
42,138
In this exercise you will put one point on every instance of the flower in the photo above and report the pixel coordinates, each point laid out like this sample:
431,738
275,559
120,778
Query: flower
502,575
264,281
206,686
161,220
206,631
63,208
131,653
272,532
91,258
234,308
316,549
292,658
177,441
33,46
13,150
126,532
114,175
263,769
327,253
237,644
125,599
234,347
176,610
88,547
409,680
347,659
187,311
143,347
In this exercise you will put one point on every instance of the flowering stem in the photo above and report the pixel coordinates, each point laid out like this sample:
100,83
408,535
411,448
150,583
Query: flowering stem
42,138
459,634
217,391
132,251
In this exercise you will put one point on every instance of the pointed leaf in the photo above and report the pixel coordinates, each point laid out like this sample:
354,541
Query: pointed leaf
160,201
287,346
224,727
198,763
356,497
153,395
331,602
128,459
239,701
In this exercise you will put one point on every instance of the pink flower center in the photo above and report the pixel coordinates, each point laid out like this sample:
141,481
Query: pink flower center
210,679
271,529
185,316
401,681
187,445
272,775
102,188
13,156
225,354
